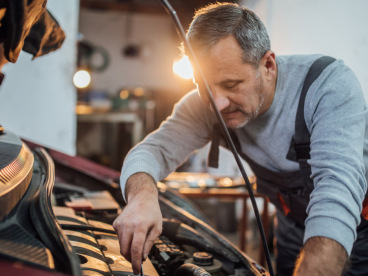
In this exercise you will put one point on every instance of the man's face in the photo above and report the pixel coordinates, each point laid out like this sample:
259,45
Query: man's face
237,87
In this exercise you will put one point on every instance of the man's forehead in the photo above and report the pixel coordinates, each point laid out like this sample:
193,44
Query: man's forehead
222,55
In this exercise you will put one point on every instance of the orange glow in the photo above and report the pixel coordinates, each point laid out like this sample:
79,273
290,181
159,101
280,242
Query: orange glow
183,68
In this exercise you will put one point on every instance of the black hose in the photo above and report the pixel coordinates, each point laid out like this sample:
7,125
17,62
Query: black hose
190,270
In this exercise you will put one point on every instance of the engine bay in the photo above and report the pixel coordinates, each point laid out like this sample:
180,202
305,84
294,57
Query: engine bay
59,212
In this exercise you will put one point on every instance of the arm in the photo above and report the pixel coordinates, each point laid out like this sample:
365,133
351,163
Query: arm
140,223
335,116
161,152
321,257
152,160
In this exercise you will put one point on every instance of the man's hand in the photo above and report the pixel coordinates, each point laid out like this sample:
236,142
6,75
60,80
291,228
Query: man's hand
321,256
140,223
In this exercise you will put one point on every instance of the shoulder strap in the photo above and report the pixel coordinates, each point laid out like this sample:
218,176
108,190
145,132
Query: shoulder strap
300,143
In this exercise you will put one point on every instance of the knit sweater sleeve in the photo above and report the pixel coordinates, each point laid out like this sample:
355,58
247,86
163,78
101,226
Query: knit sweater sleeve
335,114
161,152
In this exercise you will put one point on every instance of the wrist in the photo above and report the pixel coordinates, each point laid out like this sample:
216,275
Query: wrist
318,251
141,185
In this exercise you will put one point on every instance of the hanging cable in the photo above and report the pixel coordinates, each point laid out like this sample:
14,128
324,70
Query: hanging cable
170,10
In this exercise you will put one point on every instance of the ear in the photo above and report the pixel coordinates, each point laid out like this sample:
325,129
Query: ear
268,62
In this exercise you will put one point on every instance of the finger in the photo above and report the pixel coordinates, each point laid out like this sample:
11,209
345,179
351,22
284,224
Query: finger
125,245
138,242
151,238
125,235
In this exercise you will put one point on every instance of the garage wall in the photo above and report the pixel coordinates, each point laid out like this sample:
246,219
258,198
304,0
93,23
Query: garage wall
153,35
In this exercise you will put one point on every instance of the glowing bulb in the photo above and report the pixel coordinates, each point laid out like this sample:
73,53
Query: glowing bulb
82,79
183,68
139,92
124,94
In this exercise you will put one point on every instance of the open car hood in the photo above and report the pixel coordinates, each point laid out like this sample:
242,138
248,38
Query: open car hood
59,214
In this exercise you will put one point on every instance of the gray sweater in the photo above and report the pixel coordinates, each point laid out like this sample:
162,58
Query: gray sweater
335,113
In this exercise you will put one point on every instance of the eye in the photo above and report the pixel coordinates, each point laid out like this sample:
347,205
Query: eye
230,85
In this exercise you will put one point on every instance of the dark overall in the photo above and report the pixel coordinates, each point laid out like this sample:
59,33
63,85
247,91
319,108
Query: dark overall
290,192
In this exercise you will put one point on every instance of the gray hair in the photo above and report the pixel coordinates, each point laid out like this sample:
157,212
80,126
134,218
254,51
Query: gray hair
217,21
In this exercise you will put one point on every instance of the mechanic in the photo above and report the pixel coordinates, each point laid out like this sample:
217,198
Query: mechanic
318,188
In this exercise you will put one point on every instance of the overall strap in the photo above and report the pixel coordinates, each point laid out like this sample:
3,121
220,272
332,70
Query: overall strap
300,144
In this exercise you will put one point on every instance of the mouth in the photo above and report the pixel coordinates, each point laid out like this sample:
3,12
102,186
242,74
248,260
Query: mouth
230,114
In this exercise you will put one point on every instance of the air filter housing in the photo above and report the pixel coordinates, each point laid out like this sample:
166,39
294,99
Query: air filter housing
16,163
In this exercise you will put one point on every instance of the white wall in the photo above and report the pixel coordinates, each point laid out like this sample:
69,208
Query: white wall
37,98
154,33
332,27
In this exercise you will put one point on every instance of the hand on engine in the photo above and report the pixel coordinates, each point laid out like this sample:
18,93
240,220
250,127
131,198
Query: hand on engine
140,223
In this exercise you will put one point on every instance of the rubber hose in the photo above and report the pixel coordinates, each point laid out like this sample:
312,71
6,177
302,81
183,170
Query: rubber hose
190,270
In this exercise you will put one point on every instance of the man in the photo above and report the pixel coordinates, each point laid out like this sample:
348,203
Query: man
319,200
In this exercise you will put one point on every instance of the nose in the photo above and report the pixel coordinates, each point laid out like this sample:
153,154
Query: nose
221,100
219,97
